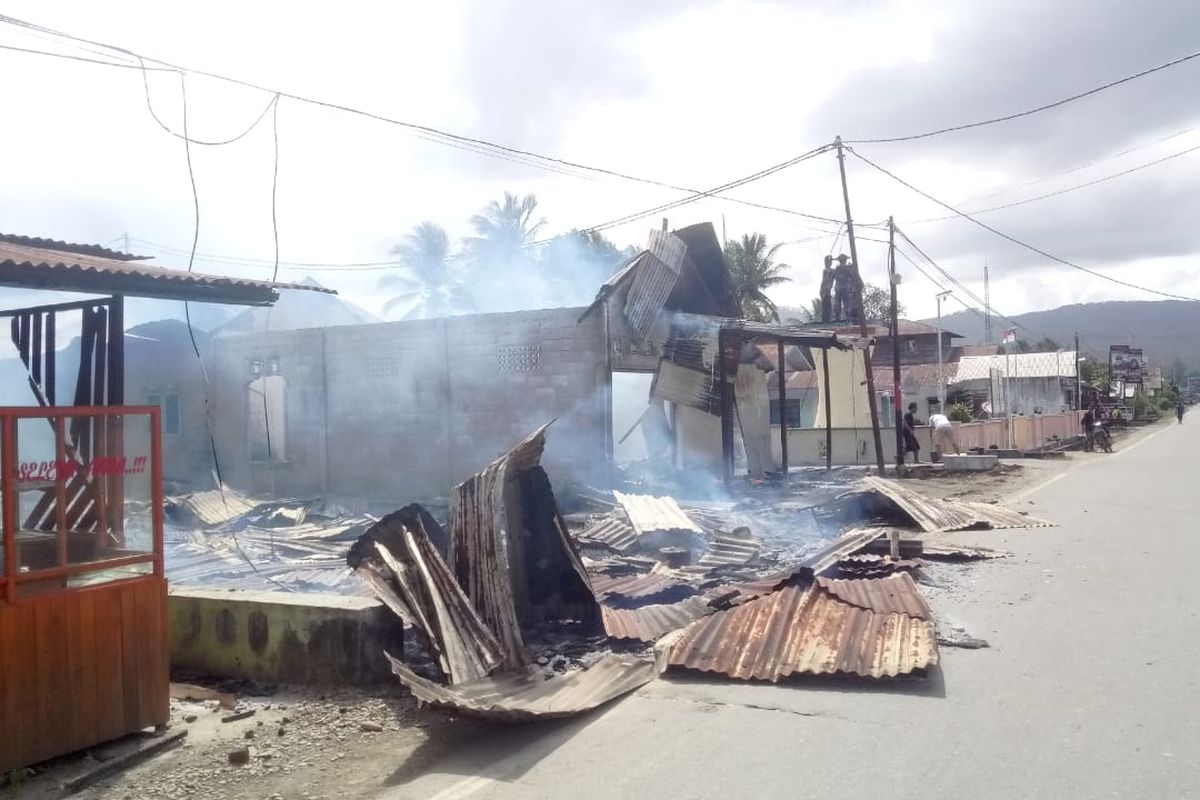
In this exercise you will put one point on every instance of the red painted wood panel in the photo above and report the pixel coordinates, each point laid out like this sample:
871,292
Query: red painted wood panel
82,667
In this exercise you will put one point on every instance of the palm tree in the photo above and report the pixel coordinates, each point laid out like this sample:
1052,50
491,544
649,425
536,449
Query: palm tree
428,283
504,231
753,270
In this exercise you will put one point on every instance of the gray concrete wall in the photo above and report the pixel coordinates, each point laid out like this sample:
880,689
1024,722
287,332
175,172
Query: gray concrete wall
404,410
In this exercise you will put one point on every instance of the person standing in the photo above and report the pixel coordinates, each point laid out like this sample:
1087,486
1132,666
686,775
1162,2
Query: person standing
911,445
1179,410
943,433
1089,432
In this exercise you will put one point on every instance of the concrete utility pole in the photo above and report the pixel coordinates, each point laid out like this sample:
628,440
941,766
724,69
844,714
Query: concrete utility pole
862,317
1078,377
897,401
941,375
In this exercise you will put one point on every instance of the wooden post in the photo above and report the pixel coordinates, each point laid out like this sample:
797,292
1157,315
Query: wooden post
828,412
897,400
726,420
781,378
862,321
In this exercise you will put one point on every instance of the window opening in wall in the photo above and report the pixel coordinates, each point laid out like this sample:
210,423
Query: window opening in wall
267,434
793,411
887,411
169,403
640,429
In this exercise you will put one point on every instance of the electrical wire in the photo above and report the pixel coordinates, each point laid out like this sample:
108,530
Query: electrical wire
698,195
1028,112
960,285
83,59
470,144
150,106
1016,241
212,441
1068,189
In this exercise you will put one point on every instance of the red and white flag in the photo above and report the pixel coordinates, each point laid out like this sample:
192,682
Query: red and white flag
1010,336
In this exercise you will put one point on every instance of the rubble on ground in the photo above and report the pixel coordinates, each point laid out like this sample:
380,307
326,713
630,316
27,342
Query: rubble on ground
528,613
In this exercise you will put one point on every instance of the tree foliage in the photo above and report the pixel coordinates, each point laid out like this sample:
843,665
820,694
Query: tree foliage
753,270
428,283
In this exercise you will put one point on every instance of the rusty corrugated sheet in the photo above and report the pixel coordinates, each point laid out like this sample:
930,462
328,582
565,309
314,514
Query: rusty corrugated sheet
895,594
818,563
934,516
848,544
651,622
653,279
489,542
648,514
529,694
399,562
689,387
612,531
805,630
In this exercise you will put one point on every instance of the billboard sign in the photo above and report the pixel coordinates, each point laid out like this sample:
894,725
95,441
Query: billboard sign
1126,364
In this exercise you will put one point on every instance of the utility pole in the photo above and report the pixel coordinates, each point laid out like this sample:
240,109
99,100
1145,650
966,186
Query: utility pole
125,243
987,306
1079,380
897,401
862,317
941,376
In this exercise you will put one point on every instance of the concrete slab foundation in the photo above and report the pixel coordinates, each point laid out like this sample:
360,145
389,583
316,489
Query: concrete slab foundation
970,463
282,637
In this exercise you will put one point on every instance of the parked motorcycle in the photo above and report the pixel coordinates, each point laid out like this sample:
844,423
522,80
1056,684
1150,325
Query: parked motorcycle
1102,438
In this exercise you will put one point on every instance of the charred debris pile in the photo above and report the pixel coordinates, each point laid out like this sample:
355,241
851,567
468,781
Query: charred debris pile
520,612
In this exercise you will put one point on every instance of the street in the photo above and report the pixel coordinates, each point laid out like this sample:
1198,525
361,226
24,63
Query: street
1086,691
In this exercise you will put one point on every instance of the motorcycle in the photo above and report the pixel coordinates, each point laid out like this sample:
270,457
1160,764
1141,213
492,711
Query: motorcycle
1101,437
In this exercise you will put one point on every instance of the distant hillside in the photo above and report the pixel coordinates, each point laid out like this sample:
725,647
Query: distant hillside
1166,330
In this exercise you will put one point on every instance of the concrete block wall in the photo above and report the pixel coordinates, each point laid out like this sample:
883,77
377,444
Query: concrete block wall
405,410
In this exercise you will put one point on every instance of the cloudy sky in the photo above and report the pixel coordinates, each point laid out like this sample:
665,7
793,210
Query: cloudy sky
693,94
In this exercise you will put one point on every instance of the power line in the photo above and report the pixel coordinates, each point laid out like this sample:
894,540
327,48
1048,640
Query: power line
1068,189
272,103
470,144
1086,164
698,195
1031,111
1016,241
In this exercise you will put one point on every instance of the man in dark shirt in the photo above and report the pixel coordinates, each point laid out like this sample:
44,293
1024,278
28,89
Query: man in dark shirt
1089,430
911,445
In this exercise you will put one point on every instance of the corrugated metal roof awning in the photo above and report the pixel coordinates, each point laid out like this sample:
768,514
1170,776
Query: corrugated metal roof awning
59,266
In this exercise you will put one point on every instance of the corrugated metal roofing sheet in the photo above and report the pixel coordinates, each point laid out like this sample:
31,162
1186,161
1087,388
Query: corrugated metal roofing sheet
487,538
216,507
1018,365
44,264
613,531
400,564
689,387
805,630
530,694
648,513
733,548
653,279
933,516
649,623
652,587
895,594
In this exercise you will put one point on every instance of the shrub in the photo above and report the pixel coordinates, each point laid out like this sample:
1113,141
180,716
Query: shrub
960,413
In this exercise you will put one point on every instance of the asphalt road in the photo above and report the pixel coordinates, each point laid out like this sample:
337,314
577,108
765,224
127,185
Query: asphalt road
1089,688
